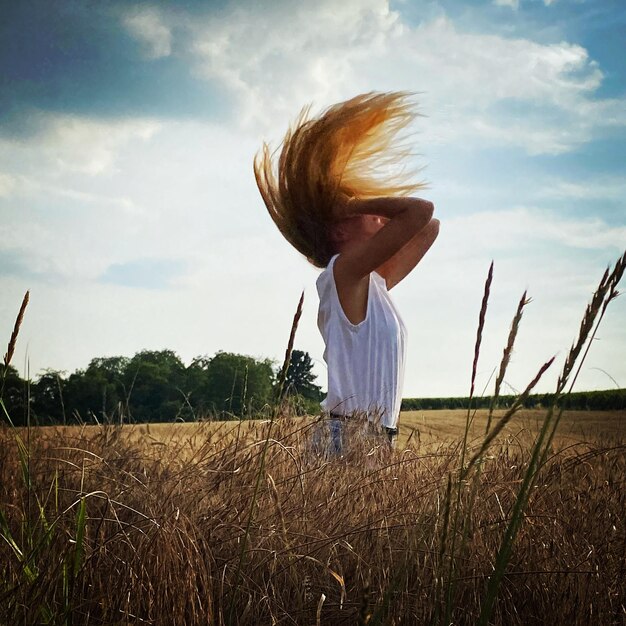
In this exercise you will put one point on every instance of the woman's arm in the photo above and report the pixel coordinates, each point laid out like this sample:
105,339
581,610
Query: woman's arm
407,218
403,262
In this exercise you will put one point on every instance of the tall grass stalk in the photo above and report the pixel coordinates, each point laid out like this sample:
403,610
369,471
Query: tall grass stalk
466,524
8,356
287,360
604,294
16,330
608,292
506,356
458,484
37,532
261,470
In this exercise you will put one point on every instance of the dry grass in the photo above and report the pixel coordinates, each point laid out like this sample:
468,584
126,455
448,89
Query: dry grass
353,540
16,330
424,430
257,524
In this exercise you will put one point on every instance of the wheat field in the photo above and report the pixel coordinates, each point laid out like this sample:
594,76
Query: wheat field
254,523
428,429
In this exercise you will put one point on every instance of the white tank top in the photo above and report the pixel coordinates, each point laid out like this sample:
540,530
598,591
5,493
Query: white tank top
366,360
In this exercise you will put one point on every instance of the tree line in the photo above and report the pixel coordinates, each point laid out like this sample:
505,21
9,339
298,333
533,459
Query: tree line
156,386
607,400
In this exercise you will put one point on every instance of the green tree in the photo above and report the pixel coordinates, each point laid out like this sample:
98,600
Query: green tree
49,393
300,377
237,384
14,396
198,388
155,383
100,389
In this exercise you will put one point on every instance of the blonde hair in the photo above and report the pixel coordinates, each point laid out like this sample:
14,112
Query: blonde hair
352,149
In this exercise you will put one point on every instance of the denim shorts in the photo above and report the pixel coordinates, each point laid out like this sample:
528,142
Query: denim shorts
336,431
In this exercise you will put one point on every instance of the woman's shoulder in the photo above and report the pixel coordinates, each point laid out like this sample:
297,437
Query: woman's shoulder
327,272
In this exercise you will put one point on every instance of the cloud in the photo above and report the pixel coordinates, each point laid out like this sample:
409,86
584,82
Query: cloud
260,63
75,143
98,59
13,263
88,145
119,182
145,25
7,185
599,188
280,57
486,88
179,193
514,4
144,273
18,262
522,227
30,187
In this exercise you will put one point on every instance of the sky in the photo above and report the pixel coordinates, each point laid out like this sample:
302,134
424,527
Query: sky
128,205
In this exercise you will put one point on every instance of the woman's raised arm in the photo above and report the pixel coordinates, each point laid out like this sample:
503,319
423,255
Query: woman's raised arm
402,263
407,218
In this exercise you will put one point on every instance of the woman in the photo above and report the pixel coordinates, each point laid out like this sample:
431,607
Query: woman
335,199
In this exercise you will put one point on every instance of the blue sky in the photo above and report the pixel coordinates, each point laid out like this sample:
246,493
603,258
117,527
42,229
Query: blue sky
129,209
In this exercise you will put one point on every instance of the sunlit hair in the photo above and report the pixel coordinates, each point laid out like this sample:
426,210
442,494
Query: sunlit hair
353,149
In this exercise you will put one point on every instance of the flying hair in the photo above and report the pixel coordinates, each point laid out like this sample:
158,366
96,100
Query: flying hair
353,149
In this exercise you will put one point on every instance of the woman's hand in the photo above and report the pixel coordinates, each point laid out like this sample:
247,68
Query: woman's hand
342,207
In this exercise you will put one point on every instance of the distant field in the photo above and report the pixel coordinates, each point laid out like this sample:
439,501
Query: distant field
443,426
417,429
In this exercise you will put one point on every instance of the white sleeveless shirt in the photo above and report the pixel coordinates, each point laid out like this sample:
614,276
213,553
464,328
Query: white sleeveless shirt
366,360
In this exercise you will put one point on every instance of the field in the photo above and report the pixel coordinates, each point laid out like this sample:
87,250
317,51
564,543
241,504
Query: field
416,428
436,427
255,523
